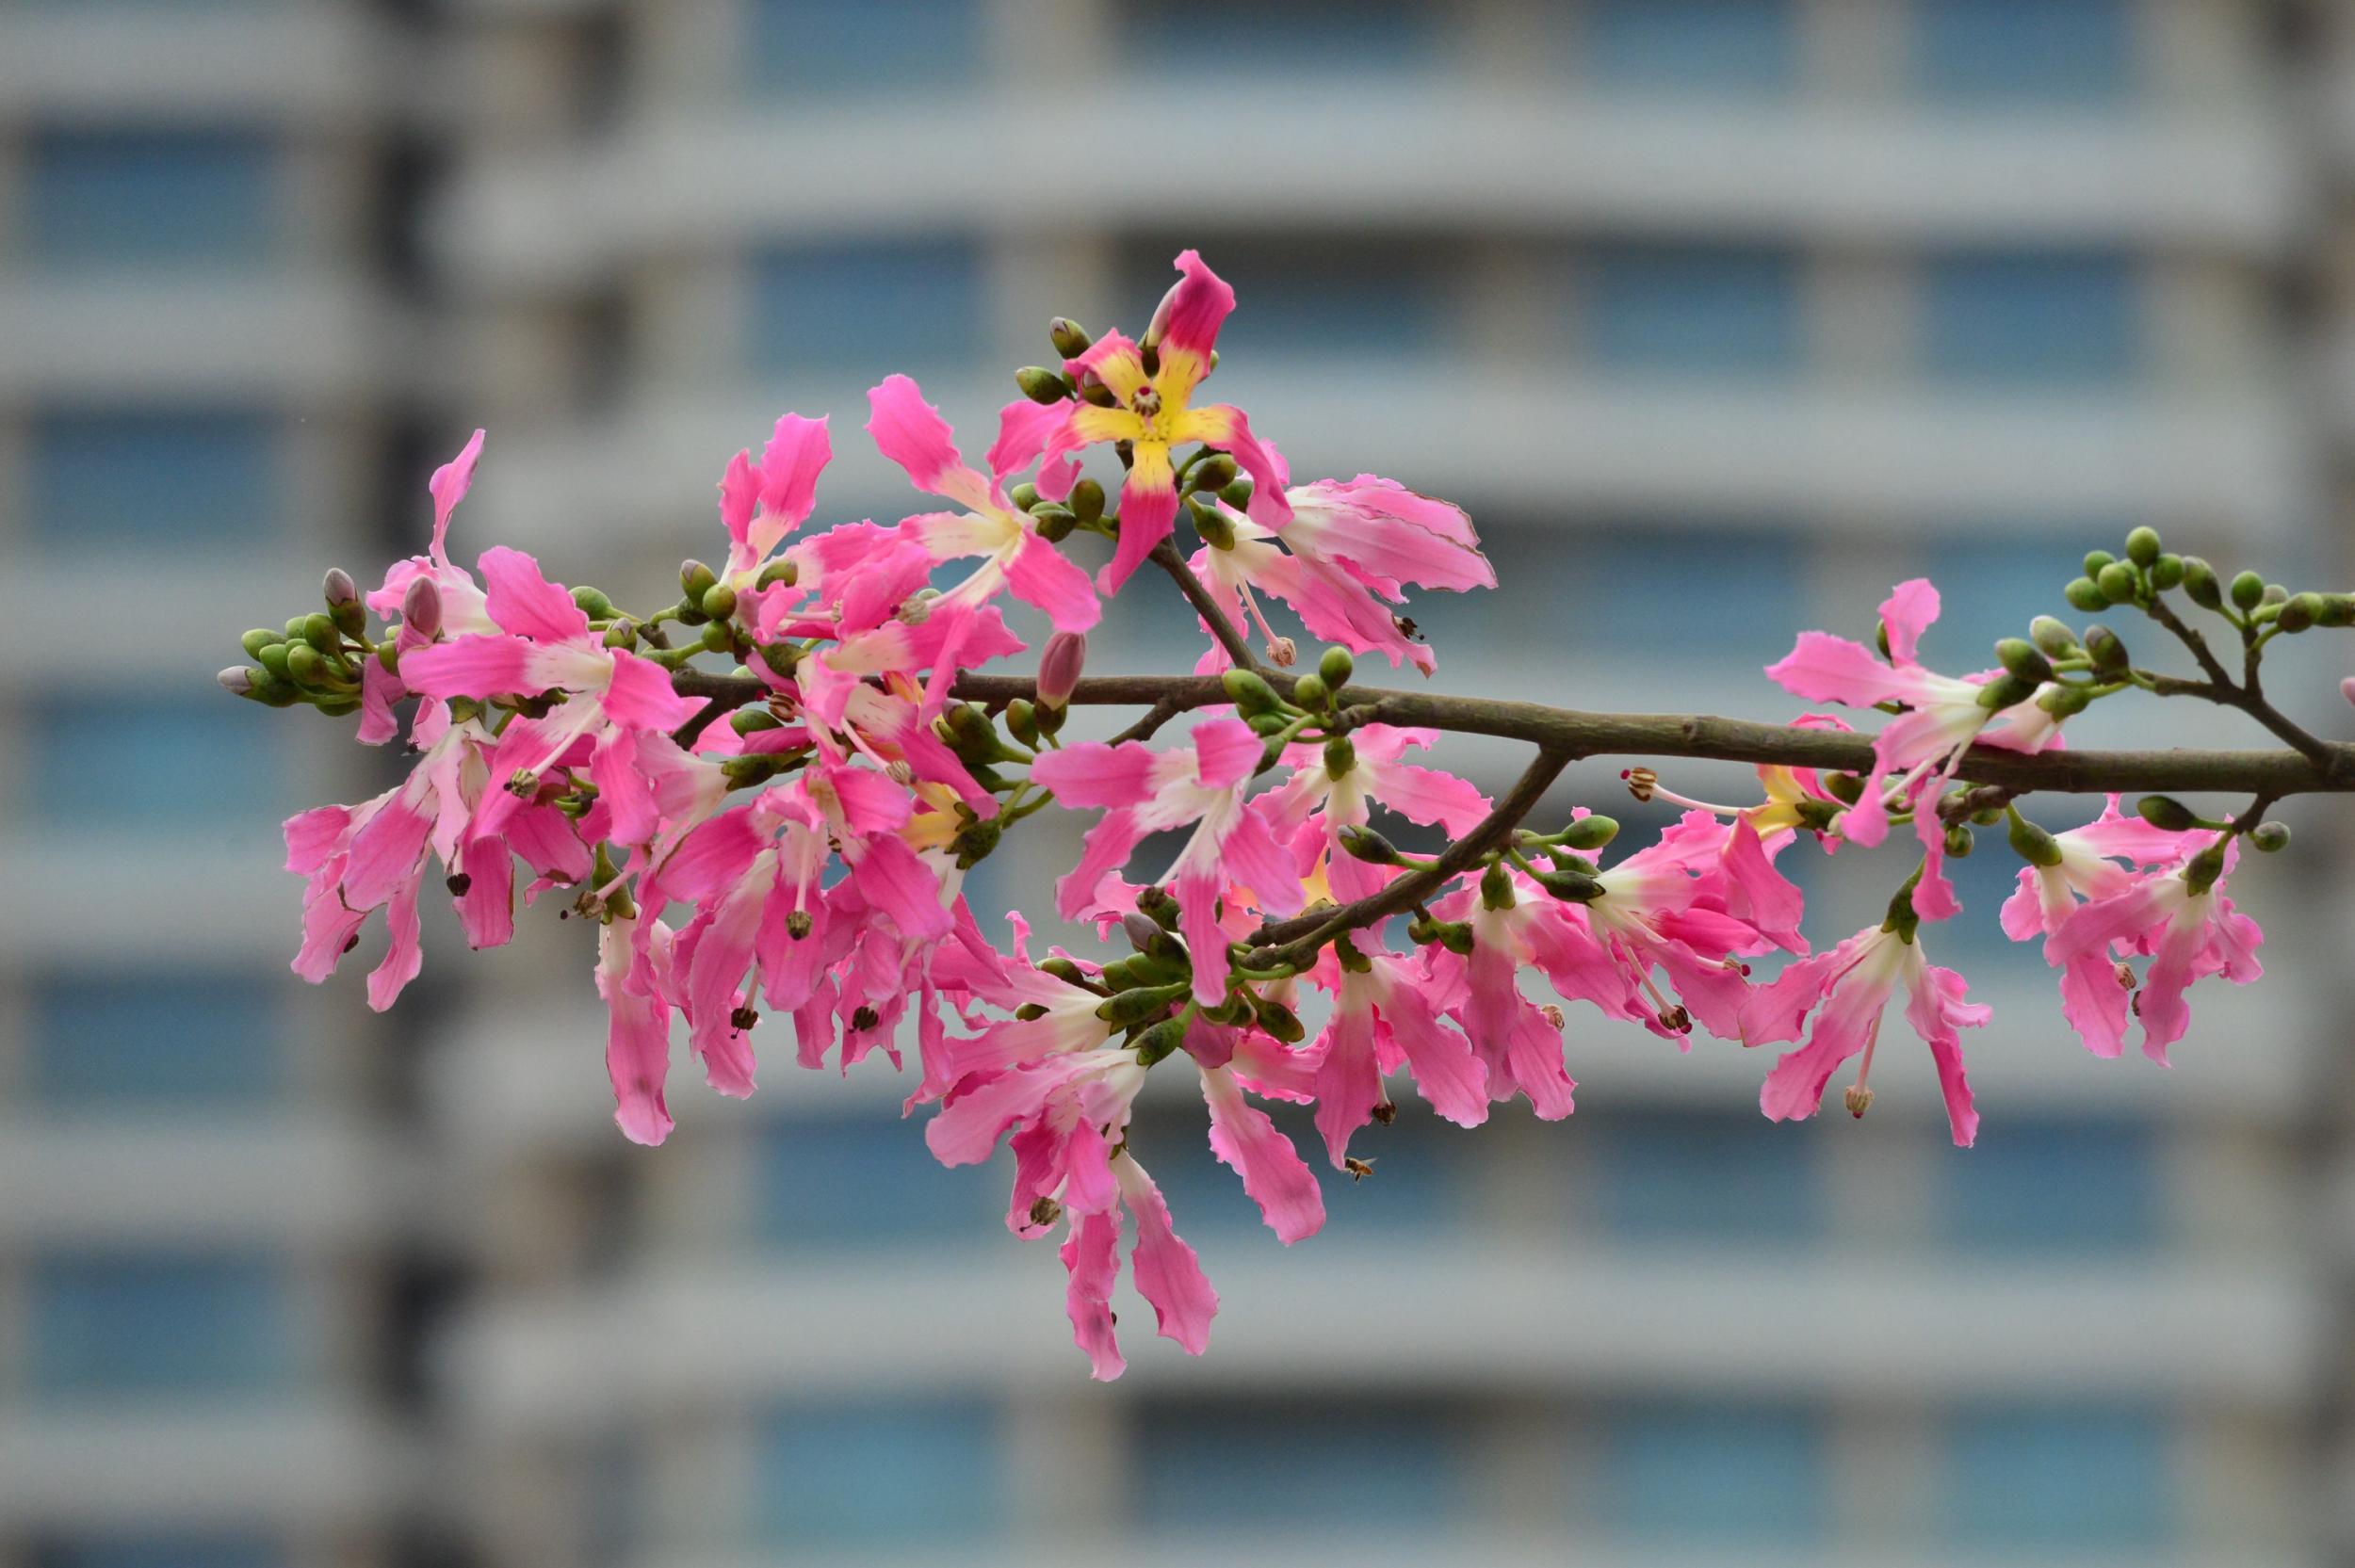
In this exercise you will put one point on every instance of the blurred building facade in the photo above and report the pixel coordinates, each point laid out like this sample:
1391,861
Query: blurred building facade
1719,316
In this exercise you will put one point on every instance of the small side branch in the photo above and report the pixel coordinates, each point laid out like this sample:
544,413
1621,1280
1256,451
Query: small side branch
1166,556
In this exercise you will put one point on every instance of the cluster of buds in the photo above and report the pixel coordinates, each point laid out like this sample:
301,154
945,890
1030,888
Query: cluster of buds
807,859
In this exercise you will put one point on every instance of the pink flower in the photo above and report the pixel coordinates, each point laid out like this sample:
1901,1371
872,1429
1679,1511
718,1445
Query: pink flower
1381,1022
912,433
1922,746
761,502
1854,982
1519,1043
545,643
638,1034
1343,558
1150,792
2094,985
428,593
1154,411
1167,1273
1334,786
2184,921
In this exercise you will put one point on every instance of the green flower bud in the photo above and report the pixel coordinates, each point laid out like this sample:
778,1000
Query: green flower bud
2064,702
1070,339
2202,871
320,631
305,665
1160,906
593,603
2021,658
2085,594
782,659
1278,1020
2095,560
2338,610
1336,667
754,720
1161,1040
294,628
2249,591
1455,935
1055,523
2118,584
974,842
1022,721
1118,975
1590,832
1042,385
2053,638
719,601
2269,838
2165,811
2004,690
970,734
272,657
695,579
240,682
2201,584
338,707
1847,789
1340,756
716,637
2106,650
1051,721
1023,497
1131,1008
1211,524
2275,594
1250,693
622,633
2167,571
1309,692
1496,887
1213,473
1086,500
1237,495
1575,887
2302,611
1267,724
1364,844
343,603
1958,842
257,640
1063,970
786,572
2033,844
1092,391
2142,546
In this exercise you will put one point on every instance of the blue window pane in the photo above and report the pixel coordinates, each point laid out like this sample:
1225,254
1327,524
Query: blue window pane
1752,1475
182,1039
155,1551
1679,1177
1715,46
1727,592
183,481
2014,50
120,198
821,310
2058,1478
1301,1466
864,1179
196,763
155,1325
822,46
1286,38
1983,880
2061,318
2068,1186
879,1474
1723,312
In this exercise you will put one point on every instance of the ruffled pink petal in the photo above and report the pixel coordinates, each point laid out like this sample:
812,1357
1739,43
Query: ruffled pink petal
380,688
1269,506
637,1041
1091,1254
1090,773
891,878
1273,1173
1762,894
448,485
1794,1088
1906,614
1349,1080
526,604
1024,428
1935,1007
1148,510
1825,669
1388,534
385,852
486,910
722,951
1105,850
640,697
328,929
1042,576
739,496
1197,888
1425,794
1450,1077
1533,1054
472,665
2095,1003
1227,753
1168,1274
1253,858
912,433
798,452
314,835
406,956
1189,316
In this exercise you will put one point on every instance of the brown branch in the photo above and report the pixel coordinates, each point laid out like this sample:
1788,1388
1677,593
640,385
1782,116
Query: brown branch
1666,734
1295,942
1166,556
2248,694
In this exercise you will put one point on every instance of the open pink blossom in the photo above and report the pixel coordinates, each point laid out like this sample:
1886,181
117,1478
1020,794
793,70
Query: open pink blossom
1920,747
1852,983
762,502
1154,411
430,593
1340,563
1519,1043
638,1032
1200,785
2182,919
912,433
1335,786
1383,1021
1167,1273
2094,999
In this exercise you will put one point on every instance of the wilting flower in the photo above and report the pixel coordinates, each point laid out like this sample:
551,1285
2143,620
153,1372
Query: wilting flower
1854,982
2184,921
1154,410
